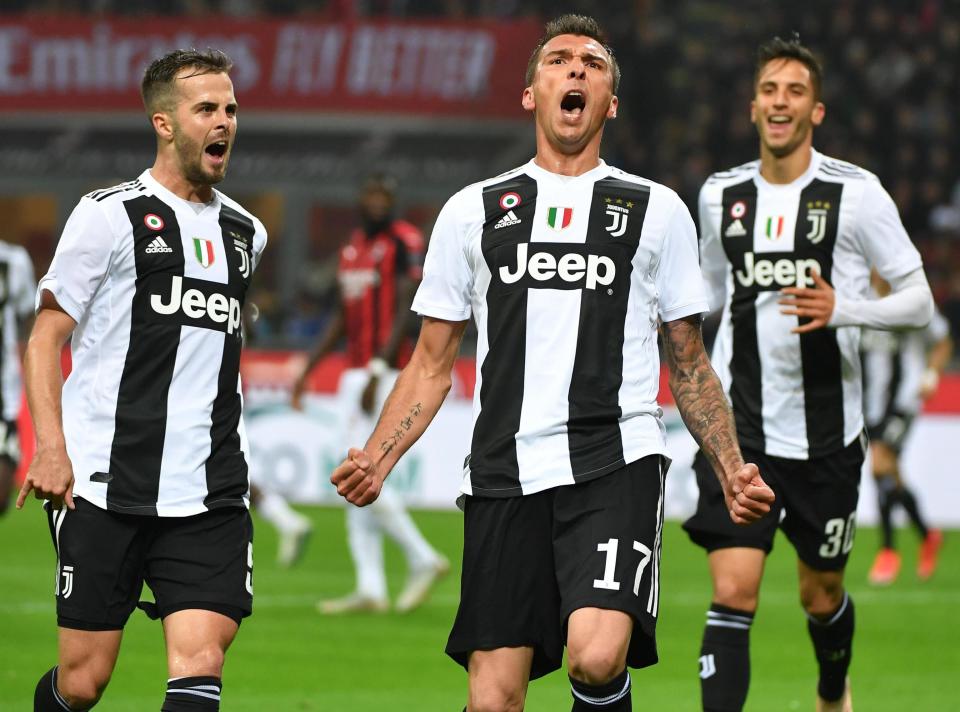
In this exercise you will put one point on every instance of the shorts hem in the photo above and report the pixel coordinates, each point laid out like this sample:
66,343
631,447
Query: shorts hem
77,624
542,664
234,613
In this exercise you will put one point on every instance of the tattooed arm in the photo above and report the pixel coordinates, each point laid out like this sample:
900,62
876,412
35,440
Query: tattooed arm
411,406
707,415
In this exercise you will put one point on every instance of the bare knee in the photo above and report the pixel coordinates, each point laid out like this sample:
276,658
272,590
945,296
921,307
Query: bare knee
595,663
498,679
82,683
206,659
492,699
734,592
821,599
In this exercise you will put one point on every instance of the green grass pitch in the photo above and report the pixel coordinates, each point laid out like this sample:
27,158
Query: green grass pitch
289,658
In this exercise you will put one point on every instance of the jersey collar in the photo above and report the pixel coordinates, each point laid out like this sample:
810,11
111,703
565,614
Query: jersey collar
175,200
535,171
801,181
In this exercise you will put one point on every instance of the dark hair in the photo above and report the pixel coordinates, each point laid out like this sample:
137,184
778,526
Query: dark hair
158,79
573,25
779,48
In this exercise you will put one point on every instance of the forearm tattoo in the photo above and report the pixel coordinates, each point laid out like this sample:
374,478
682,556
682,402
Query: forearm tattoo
699,395
402,428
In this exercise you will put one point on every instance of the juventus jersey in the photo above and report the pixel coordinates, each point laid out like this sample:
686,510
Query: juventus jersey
893,364
566,278
17,288
152,407
795,395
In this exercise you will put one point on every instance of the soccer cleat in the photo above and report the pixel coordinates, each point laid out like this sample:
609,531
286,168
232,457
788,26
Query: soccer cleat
844,704
353,603
292,542
885,568
419,584
929,550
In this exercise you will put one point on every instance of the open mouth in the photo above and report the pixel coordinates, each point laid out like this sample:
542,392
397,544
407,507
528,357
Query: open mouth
779,120
217,149
573,102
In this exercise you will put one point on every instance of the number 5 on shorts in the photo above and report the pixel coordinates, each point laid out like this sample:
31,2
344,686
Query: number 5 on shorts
610,547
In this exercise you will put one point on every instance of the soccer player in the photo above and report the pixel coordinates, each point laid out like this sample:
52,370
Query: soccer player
787,243
17,289
568,266
901,370
379,269
142,452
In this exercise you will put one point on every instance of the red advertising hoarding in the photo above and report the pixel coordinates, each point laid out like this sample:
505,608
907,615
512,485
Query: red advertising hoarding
472,69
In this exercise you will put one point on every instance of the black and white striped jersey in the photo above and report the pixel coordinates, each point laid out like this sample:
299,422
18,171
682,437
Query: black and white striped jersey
567,278
795,396
152,407
17,287
893,366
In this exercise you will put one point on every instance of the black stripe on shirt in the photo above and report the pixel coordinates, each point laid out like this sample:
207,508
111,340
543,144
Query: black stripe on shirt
141,416
493,451
593,427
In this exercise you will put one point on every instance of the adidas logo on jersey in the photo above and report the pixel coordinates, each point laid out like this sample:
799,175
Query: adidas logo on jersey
210,311
736,229
572,269
507,220
157,245
776,273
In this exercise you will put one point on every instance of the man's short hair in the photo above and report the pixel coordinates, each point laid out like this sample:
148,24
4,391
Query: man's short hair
581,25
158,87
779,48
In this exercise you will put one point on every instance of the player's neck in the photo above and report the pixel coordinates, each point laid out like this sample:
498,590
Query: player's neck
781,170
173,180
567,164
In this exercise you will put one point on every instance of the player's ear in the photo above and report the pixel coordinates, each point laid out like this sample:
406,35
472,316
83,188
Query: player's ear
819,111
527,101
163,124
612,109
753,111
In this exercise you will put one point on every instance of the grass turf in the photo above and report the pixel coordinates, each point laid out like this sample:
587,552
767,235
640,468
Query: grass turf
289,658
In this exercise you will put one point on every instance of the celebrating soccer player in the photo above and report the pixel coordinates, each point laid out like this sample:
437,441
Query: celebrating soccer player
787,243
567,265
142,453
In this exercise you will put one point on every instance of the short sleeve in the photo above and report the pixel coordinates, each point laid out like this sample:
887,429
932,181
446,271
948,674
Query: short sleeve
447,282
259,242
81,260
26,285
881,234
679,281
713,260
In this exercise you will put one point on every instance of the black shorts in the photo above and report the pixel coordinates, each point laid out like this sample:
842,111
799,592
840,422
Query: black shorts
9,442
892,431
816,506
103,558
529,562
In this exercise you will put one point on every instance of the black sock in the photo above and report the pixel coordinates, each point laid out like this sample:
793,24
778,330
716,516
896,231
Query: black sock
725,659
886,498
192,694
613,696
833,645
46,698
909,503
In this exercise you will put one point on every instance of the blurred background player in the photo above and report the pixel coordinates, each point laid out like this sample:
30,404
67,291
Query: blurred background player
379,269
17,291
787,244
901,370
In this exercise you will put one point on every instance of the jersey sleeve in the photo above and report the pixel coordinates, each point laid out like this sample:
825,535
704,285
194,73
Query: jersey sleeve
447,282
26,285
679,281
259,242
410,252
882,236
81,260
713,261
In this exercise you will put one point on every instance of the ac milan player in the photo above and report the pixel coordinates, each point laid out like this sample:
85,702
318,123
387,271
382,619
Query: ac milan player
379,269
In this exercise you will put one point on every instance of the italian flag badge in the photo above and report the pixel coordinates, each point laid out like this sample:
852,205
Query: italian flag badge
559,218
204,251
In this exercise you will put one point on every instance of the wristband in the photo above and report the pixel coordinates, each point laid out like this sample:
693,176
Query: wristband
377,367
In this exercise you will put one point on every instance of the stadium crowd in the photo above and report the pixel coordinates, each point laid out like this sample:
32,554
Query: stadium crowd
890,91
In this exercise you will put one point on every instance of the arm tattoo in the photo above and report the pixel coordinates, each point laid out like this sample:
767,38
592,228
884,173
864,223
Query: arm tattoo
397,435
699,394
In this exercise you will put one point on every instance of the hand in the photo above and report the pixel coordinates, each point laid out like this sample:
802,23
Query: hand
358,478
928,383
815,303
369,395
50,477
748,496
296,393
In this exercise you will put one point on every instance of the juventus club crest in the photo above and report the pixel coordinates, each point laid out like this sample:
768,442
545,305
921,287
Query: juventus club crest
619,212
66,573
817,215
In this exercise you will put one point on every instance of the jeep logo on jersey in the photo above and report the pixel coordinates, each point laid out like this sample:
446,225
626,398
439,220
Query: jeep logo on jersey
200,304
774,274
565,270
